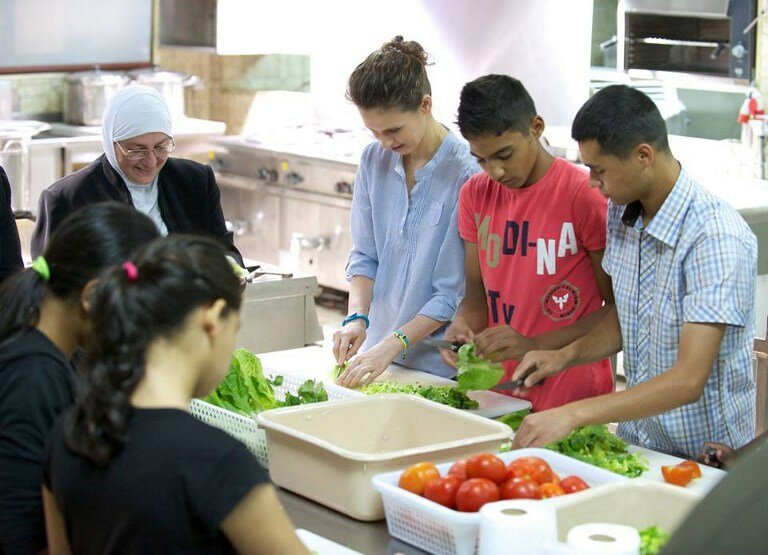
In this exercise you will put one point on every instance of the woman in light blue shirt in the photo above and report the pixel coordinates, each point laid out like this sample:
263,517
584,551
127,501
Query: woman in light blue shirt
406,267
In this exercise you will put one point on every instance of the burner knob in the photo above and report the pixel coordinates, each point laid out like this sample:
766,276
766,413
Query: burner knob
262,173
293,178
343,187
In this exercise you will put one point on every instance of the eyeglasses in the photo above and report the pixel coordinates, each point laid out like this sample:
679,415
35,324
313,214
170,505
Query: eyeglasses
141,153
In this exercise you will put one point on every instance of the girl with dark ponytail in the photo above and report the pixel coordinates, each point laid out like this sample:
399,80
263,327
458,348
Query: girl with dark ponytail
128,469
43,320
406,267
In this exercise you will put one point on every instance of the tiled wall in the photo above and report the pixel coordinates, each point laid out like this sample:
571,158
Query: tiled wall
228,84
226,89
37,95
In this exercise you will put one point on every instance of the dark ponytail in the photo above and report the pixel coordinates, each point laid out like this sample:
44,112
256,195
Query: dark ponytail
87,241
133,305
394,76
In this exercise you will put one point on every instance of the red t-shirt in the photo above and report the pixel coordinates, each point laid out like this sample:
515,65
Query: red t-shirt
537,274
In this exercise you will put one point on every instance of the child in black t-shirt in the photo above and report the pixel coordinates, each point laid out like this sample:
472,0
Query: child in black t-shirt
129,470
43,319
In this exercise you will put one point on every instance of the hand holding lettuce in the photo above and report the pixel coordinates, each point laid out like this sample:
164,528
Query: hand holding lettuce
474,372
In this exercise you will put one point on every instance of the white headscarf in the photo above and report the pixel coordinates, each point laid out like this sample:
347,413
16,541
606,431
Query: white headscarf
133,111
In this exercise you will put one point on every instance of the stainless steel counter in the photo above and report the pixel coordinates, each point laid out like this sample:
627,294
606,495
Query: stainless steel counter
369,538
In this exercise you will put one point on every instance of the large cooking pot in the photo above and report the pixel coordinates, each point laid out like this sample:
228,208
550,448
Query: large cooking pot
14,158
87,94
169,83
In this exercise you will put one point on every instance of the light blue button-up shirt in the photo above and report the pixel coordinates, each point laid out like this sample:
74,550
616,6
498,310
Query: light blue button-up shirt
696,261
410,247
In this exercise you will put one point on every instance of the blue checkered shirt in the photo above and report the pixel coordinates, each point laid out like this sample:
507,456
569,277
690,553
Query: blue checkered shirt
696,261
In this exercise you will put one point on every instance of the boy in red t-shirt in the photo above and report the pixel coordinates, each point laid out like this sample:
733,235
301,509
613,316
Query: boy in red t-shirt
534,234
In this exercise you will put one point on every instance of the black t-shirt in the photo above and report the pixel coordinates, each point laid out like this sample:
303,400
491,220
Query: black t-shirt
35,387
733,517
166,491
10,248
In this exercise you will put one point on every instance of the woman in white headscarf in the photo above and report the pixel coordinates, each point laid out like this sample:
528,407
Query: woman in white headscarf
180,196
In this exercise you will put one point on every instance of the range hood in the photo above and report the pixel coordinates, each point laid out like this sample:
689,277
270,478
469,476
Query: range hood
695,8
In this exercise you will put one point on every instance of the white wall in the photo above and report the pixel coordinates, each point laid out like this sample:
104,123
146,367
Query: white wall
544,43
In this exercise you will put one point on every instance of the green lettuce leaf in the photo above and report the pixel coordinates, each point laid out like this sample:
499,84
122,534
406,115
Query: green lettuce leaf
443,394
652,540
474,372
514,419
596,445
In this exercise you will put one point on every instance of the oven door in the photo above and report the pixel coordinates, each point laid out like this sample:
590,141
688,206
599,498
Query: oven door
314,236
252,212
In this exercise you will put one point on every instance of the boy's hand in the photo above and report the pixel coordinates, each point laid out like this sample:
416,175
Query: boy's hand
347,340
537,365
542,428
459,331
502,343
723,455
368,366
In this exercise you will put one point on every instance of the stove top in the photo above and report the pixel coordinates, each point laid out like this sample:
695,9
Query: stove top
336,144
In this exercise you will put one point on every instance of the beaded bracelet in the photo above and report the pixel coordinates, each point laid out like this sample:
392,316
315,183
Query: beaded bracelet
356,316
403,339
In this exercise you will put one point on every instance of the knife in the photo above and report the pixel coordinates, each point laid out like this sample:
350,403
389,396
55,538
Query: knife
442,344
518,383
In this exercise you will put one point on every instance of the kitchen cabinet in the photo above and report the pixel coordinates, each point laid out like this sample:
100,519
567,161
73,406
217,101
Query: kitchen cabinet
314,230
253,214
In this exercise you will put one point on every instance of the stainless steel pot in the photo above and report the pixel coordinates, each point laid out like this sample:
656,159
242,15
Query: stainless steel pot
14,158
169,83
87,94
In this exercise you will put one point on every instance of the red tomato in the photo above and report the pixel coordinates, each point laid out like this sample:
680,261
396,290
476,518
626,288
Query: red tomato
487,466
459,468
415,478
531,468
443,490
551,490
695,468
555,478
572,484
677,475
474,493
520,488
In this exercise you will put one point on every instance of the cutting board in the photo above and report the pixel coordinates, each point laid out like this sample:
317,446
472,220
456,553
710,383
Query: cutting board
322,546
709,476
492,404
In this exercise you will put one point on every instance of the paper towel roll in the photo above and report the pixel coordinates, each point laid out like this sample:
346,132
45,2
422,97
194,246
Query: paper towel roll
604,539
515,527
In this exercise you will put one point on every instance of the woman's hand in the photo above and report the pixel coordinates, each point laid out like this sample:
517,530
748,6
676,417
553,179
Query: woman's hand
502,343
347,340
368,366
458,332
542,428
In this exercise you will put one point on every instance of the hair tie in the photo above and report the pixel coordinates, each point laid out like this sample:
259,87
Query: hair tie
131,271
40,266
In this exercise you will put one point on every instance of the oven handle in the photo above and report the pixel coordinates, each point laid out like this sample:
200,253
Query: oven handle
309,242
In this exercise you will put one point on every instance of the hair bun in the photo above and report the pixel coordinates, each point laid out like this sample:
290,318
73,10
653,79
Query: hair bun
409,48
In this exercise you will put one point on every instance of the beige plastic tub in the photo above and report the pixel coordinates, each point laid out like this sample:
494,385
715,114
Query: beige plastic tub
329,451
637,503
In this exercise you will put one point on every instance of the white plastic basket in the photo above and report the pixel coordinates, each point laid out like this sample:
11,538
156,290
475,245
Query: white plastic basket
443,531
244,428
